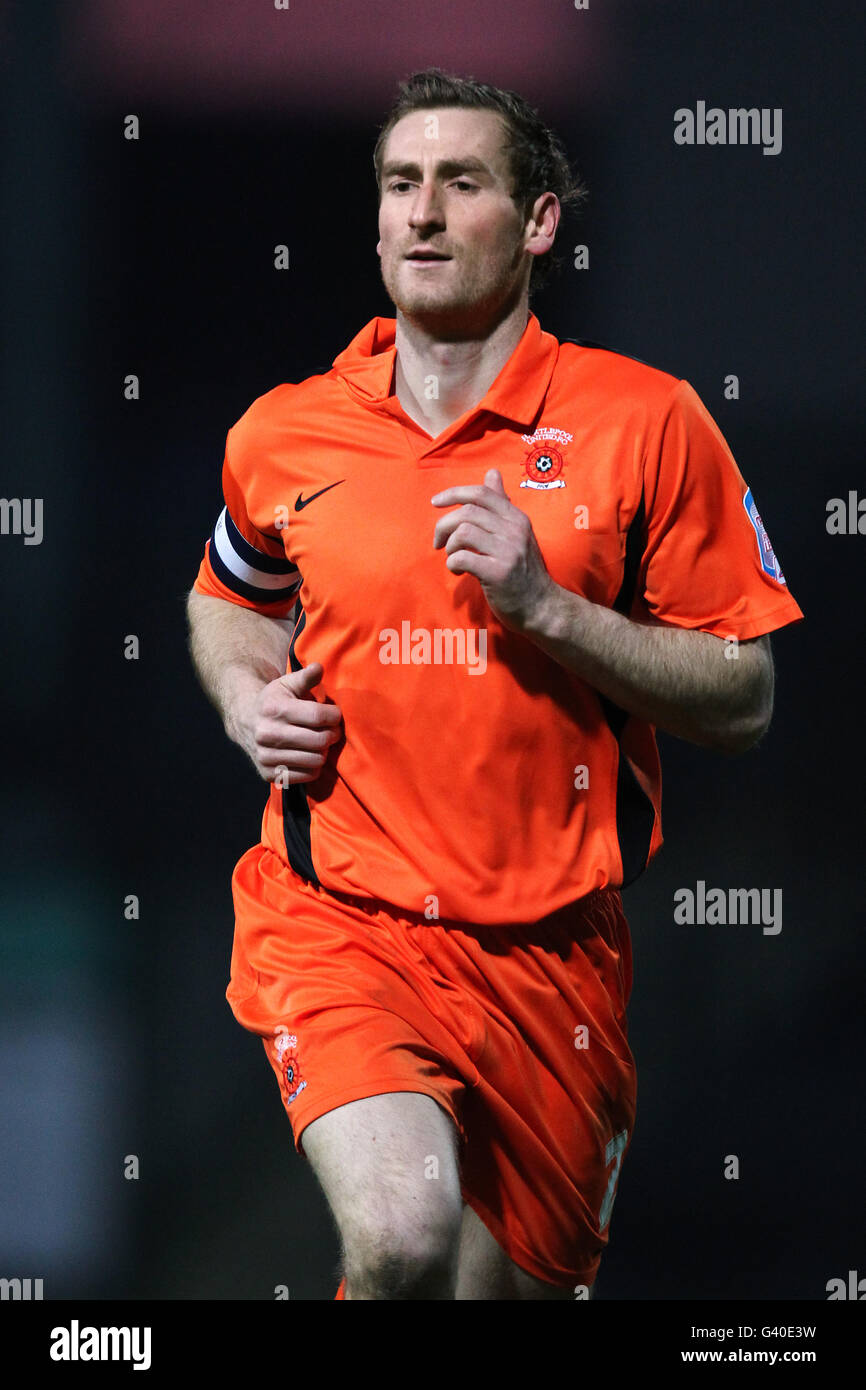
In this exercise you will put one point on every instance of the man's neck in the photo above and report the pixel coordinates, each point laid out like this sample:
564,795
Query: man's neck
437,381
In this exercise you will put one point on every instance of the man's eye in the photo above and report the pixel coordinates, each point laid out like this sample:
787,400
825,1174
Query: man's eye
463,184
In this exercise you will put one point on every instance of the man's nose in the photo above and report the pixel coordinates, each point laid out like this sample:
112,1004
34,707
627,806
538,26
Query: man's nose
426,207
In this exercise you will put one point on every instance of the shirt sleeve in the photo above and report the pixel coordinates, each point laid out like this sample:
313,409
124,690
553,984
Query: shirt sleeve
243,561
708,562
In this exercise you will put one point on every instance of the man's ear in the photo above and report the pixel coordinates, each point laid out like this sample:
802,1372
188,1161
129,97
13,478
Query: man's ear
545,215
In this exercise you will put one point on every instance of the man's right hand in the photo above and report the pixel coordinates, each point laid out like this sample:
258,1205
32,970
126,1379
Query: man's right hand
282,727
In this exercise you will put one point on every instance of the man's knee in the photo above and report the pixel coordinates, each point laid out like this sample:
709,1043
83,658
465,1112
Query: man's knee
399,1224
389,1260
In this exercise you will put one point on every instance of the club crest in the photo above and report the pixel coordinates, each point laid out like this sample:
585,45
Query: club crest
544,463
286,1049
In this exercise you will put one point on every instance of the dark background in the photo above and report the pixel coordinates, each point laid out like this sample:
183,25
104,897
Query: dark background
156,257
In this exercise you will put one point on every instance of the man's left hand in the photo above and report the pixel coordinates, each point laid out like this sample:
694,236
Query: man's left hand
491,538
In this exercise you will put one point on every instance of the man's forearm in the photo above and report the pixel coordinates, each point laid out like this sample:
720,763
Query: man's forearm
235,651
679,680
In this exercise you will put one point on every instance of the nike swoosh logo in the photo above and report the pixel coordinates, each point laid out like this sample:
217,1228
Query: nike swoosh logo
302,501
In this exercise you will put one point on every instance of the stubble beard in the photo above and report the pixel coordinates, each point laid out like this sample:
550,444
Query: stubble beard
466,311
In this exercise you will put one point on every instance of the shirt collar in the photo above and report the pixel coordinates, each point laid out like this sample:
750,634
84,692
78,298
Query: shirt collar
517,394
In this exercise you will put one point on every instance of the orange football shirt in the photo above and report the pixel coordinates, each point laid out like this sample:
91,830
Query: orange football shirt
476,779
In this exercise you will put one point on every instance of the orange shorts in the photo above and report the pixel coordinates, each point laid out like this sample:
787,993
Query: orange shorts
518,1031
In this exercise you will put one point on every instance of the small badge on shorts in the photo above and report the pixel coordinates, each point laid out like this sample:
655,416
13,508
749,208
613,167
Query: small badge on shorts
286,1049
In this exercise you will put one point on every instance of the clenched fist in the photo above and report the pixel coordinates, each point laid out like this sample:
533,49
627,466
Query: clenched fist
283,729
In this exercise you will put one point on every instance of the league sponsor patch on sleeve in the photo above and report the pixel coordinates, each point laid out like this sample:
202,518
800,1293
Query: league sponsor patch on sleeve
769,563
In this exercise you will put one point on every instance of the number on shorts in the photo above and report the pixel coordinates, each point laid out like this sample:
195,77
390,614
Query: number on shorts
612,1154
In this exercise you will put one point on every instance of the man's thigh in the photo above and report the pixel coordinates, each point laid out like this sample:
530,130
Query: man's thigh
486,1272
388,1167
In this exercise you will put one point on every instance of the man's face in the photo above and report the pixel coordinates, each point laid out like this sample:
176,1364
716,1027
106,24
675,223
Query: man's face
446,191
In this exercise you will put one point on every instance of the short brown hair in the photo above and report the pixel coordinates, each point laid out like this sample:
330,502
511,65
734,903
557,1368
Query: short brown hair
538,160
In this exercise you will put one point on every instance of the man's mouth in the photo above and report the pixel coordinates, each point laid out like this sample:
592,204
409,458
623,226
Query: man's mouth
426,256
